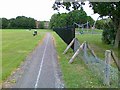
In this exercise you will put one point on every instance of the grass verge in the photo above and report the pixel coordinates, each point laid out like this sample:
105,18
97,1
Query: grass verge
77,74
16,45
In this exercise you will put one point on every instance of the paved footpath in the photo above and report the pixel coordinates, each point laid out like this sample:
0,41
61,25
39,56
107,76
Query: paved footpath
42,70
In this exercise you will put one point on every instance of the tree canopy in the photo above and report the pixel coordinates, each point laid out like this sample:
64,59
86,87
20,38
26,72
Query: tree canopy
65,19
20,22
110,9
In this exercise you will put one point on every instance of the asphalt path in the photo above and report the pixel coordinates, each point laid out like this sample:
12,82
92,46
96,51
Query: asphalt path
42,71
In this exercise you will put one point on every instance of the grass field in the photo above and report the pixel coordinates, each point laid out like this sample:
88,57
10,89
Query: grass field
16,45
95,41
89,31
77,74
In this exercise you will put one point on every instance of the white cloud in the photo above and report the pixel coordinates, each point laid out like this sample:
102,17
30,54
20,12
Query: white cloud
90,11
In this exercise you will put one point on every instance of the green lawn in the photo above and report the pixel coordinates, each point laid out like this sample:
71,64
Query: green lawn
96,44
77,74
16,45
89,31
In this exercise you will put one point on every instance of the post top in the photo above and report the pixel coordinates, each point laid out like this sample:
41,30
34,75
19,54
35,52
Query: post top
109,51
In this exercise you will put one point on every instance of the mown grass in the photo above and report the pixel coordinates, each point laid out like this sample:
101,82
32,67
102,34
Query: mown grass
77,74
16,45
95,41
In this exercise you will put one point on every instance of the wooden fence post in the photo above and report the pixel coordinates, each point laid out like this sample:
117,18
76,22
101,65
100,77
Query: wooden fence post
85,52
73,57
69,46
107,67
76,44
92,52
76,53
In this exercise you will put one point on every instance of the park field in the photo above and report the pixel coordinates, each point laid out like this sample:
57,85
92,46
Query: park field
95,41
16,45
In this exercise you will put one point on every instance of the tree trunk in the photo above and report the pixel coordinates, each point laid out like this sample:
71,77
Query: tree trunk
117,38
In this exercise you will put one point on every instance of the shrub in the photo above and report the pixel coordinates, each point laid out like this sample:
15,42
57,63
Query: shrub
109,33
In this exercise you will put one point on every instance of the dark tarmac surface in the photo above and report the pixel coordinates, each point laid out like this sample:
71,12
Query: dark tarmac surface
43,70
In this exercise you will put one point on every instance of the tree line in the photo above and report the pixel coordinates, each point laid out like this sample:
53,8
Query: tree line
110,9
65,19
20,22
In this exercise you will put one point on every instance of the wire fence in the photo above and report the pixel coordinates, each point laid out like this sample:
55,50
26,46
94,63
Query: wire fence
100,68
88,31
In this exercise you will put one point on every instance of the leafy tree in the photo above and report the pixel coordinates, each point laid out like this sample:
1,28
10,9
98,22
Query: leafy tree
65,19
58,20
41,25
24,22
53,20
12,23
78,16
90,20
5,23
110,9
100,24
108,33
20,22
0,23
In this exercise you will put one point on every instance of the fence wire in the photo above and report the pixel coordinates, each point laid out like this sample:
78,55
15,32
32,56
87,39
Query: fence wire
98,66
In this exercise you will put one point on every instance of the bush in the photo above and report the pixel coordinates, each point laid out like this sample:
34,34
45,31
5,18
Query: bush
109,33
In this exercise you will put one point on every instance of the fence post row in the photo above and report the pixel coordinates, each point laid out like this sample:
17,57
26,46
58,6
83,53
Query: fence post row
108,57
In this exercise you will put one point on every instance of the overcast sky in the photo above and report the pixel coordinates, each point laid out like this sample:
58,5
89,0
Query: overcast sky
37,9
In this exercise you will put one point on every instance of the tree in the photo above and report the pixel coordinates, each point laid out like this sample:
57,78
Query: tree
5,23
100,24
41,25
20,22
58,20
68,19
24,22
110,9
0,23
12,23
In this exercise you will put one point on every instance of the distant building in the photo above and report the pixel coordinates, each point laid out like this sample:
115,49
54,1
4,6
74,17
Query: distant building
46,24
38,23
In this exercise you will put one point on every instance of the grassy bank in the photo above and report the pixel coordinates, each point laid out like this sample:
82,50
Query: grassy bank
16,45
77,74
